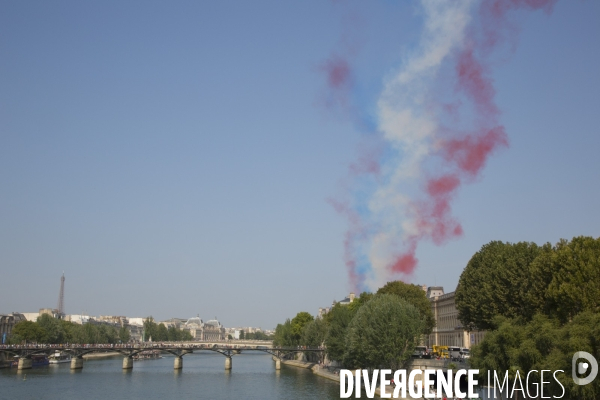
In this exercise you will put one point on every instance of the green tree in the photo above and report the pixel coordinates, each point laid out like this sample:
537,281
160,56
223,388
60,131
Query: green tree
124,335
53,329
242,335
575,273
497,281
162,333
150,329
186,336
540,344
338,320
414,295
360,301
297,324
383,334
283,334
27,331
313,334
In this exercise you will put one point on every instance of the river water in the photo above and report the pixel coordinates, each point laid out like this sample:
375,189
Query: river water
203,377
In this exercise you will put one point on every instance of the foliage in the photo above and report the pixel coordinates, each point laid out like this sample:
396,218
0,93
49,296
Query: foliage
242,335
541,344
160,333
383,334
360,301
497,281
29,331
297,326
54,332
178,335
258,335
314,333
289,333
522,279
338,318
283,334
124,335
414,295
575,283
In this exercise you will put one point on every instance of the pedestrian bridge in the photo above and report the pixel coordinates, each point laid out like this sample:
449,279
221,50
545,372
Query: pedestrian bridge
129,351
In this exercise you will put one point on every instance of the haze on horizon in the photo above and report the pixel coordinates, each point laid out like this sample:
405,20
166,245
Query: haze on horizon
177,159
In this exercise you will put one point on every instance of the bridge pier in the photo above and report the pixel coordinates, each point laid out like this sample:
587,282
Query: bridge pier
228,363
178,363
24,363
277,364
127,363
76,363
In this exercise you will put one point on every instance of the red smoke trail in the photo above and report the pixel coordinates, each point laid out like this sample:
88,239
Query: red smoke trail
354,232
465,156
339,81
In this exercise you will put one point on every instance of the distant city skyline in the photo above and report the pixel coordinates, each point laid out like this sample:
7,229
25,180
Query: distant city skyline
189,158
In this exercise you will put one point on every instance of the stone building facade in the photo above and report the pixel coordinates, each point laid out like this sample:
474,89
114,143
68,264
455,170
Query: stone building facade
213,330
195,326
448,329
7,323
344,302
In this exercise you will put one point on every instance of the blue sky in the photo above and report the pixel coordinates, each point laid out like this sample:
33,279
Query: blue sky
176,158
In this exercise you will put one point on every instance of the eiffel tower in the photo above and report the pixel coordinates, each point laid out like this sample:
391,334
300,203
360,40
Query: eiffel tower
61,296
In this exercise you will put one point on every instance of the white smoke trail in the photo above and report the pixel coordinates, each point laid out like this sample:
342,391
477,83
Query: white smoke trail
409,129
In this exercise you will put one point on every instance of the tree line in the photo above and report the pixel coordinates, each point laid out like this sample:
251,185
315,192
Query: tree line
538,304
160,333
50,330
258,335
377,330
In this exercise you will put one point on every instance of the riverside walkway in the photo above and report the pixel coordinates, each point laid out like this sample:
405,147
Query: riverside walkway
77,351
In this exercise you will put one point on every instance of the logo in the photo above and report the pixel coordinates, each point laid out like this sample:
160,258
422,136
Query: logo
581,368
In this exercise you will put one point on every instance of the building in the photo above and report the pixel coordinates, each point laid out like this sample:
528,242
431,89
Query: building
31,316
7,323
344,302
195,326
113,320
448,330
174,322
78,318
213,330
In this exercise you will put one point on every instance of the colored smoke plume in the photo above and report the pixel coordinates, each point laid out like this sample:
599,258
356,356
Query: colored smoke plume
437,134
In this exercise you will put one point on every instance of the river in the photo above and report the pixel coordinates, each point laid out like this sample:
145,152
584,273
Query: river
203,377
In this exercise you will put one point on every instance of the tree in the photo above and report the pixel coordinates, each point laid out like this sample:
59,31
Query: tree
124,335
150,329
313,334
414,295
298,323
575,277
360,301
186,336
497,281
283,334
540,344
383,334
54,332
162,333
29,331
242,335
338,319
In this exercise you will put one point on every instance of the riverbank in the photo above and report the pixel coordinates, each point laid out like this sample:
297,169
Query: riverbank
327,374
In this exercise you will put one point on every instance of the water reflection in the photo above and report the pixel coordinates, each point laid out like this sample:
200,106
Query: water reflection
203,377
